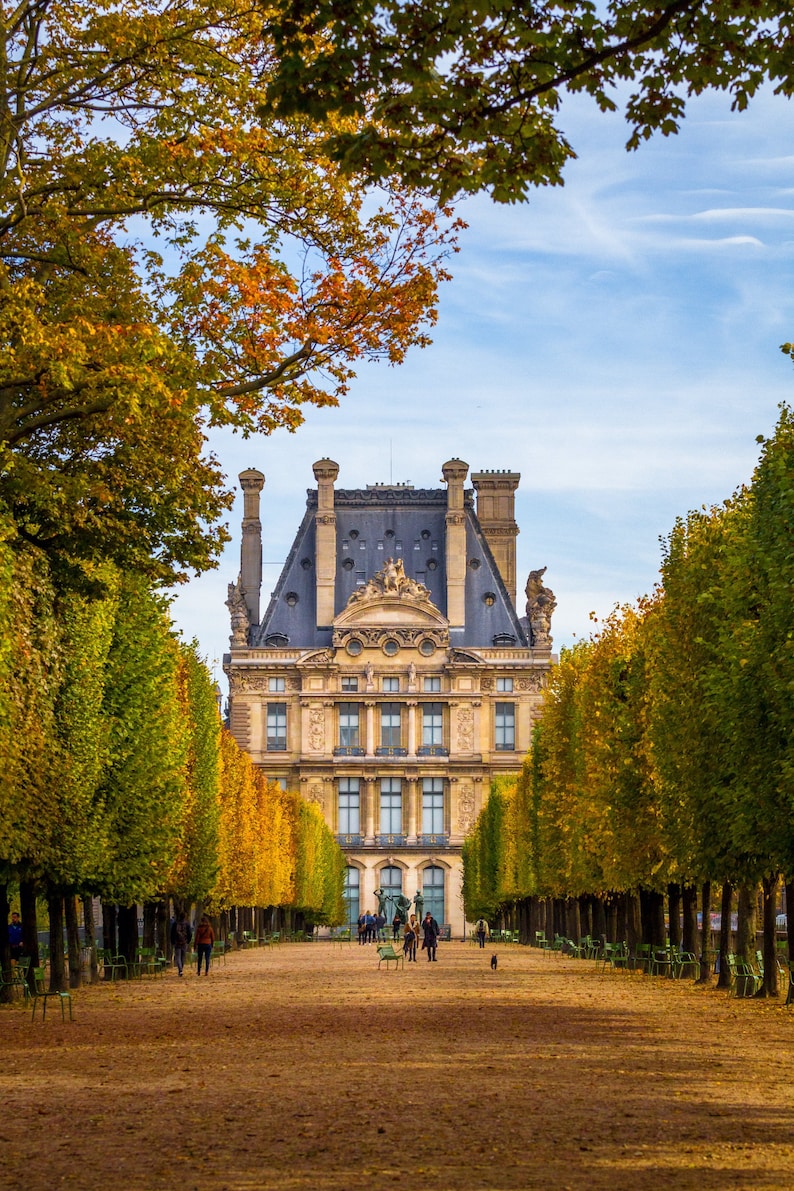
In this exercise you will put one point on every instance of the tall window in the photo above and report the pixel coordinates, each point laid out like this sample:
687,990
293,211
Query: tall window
276,727
391,882
349,684
391,806
348,725
504,684
433,891
432,724
390,725
349,806
351,894
432,684
390,684
433,806
505,726
276,684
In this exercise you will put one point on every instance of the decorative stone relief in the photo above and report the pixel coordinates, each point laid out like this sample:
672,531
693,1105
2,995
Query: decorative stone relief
532,682
317,729
465,729
486,684
465,808
316,795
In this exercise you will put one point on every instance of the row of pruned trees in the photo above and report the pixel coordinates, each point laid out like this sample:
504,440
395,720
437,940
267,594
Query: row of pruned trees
663,762
117,780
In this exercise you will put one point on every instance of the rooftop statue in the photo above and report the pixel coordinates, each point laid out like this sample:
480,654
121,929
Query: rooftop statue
540,607
392,580
238,610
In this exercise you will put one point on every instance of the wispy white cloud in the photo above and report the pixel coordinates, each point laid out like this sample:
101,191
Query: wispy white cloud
623,363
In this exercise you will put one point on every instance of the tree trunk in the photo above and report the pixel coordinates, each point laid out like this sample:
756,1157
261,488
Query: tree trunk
652,908
599,919
57,965
726,909
620,918
128,934
612,919
163,928
73,939
705,933
109,932
674,913
746,927
30,926
5,947
586,914
149,923
90,937
574,931
689,899
790,918
633,922
770,985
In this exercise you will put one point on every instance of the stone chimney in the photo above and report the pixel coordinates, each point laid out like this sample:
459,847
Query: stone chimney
454,473
252,482
496,502
325,473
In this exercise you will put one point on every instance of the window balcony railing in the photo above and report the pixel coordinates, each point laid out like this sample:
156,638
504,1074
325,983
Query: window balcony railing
349,840
432,750
434,840
391,839
391,751
349,750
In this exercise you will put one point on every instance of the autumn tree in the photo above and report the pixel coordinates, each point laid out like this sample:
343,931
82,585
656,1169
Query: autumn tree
460,97
169,262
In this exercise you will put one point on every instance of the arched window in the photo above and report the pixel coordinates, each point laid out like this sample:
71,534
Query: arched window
351,894
391,882
433,891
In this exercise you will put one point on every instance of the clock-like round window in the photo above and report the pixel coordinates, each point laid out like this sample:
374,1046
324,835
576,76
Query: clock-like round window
354,647
391,647
427,647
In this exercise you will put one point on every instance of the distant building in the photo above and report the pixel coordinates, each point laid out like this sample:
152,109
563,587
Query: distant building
391,677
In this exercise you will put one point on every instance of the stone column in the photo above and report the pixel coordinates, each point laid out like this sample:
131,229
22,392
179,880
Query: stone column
252,482
325,473
370,741
454,473
411,705
411,786
369,789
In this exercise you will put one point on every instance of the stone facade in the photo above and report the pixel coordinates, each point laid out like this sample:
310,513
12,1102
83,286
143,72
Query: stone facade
391,677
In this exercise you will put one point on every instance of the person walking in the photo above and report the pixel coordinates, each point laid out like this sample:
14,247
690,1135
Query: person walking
205,937
181,934
411,938
430,940
482,931
15,936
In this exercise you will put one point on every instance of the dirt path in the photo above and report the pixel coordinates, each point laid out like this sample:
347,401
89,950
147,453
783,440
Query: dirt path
306,1067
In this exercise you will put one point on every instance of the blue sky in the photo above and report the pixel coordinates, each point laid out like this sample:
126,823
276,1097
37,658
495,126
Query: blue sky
615,340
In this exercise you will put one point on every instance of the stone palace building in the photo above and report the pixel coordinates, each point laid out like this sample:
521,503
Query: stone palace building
391,677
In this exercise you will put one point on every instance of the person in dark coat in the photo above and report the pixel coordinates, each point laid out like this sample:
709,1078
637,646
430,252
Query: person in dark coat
181,934
430,936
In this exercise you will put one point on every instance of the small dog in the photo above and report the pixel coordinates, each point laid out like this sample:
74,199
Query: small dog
494,962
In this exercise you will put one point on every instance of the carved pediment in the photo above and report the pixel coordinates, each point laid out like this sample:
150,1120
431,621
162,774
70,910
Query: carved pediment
391,604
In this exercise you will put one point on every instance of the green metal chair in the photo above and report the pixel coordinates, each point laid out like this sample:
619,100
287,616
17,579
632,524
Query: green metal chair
41,993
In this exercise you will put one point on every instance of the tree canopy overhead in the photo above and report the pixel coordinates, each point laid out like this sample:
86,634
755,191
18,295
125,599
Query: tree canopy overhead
127,127
461,96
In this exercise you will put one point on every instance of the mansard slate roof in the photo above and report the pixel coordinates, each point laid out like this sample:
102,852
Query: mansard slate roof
380,522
